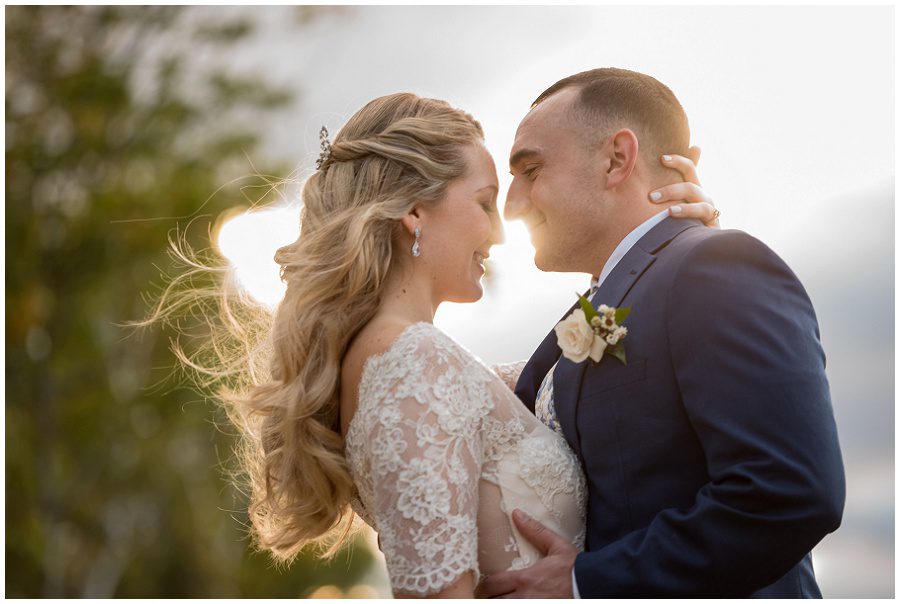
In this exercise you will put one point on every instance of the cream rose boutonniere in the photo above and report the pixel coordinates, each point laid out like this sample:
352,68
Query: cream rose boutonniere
592,333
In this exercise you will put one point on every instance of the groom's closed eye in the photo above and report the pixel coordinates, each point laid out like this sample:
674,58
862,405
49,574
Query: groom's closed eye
520,157
530,173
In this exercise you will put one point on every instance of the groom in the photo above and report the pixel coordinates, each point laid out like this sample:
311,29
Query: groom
711,457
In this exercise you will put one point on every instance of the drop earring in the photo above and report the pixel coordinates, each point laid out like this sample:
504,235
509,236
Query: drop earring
415,247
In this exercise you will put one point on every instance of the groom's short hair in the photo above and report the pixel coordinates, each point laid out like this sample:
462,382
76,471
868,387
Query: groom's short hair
611,98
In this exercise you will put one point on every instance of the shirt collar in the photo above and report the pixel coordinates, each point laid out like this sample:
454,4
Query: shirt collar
626,244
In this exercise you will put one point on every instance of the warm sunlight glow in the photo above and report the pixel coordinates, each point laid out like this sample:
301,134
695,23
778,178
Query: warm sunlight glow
249,242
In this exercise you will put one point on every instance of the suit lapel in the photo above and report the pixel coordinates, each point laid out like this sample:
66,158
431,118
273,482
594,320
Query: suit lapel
568,376
539,365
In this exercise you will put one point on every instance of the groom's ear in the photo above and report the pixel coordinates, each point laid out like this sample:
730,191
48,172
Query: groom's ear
622,152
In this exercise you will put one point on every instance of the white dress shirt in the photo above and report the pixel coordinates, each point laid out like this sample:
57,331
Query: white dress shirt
626,244
619,253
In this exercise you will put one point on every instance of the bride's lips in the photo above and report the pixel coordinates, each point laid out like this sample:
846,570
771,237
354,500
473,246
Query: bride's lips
479,259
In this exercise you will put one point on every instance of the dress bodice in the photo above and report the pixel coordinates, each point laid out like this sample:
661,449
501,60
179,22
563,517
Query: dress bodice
441,452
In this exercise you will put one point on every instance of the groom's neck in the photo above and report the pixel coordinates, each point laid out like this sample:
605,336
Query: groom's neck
631,213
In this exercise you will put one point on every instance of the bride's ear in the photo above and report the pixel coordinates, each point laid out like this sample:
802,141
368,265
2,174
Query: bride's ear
411,220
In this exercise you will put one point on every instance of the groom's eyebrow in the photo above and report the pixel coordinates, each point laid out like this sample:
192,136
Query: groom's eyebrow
520,156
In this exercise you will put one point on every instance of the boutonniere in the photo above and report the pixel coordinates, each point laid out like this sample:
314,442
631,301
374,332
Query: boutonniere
591,333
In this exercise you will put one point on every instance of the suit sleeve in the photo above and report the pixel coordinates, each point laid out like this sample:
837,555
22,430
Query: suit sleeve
744,344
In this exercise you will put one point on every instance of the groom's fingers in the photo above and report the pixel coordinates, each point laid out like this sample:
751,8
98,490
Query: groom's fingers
498,585
683,165
537,534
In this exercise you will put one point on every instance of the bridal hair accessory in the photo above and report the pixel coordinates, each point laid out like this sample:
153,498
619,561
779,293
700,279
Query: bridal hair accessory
591,333
415,248
324,148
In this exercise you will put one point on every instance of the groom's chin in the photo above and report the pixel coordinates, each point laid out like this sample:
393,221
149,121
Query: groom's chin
553,265
542,263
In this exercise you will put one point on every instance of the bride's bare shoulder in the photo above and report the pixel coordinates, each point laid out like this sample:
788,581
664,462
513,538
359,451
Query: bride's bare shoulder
375,338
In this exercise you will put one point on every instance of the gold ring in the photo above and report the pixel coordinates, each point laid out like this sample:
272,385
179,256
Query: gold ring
716,214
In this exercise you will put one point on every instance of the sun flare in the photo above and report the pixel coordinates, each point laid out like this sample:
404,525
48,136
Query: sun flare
249,242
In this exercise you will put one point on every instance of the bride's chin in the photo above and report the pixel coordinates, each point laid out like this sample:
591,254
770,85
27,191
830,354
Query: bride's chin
474,294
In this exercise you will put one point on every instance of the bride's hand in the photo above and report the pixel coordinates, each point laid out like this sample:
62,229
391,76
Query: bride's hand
697,203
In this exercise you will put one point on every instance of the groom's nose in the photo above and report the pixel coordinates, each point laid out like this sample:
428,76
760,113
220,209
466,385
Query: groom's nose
517,203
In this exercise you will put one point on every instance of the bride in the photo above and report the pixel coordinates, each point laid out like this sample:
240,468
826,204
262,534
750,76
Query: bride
367,407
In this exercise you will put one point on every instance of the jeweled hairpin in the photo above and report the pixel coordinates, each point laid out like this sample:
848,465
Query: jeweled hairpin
324,148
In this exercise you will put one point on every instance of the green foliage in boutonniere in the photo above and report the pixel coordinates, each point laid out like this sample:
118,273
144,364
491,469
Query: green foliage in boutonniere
593,333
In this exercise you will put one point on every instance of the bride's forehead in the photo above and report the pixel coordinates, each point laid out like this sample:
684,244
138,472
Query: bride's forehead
480,168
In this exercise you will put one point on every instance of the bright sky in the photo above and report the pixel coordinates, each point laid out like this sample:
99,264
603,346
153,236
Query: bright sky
793,107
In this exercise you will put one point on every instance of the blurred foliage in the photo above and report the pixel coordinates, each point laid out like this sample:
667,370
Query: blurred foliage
114,488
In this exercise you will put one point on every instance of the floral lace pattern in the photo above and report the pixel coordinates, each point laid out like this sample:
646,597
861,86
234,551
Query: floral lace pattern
509,372
441,451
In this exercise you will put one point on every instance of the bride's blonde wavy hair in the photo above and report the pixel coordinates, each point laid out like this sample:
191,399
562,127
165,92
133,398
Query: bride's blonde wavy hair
278,375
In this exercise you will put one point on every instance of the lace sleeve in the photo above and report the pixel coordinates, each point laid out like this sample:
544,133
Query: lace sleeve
425,457
509,372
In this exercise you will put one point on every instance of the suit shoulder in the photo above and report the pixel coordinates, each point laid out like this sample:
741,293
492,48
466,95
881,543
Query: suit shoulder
724,247
708,238
732,267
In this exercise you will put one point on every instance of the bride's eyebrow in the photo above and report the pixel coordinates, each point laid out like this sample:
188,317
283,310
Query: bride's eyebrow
520,156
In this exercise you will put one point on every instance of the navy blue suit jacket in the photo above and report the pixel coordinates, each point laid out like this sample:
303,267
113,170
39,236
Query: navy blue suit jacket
712,457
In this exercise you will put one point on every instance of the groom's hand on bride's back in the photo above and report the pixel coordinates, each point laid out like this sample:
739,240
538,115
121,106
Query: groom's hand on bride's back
549,577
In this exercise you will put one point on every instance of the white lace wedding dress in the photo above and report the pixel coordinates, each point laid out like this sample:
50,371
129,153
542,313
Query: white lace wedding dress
441,452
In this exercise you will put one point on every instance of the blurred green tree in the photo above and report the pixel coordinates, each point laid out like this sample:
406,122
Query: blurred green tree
111,490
